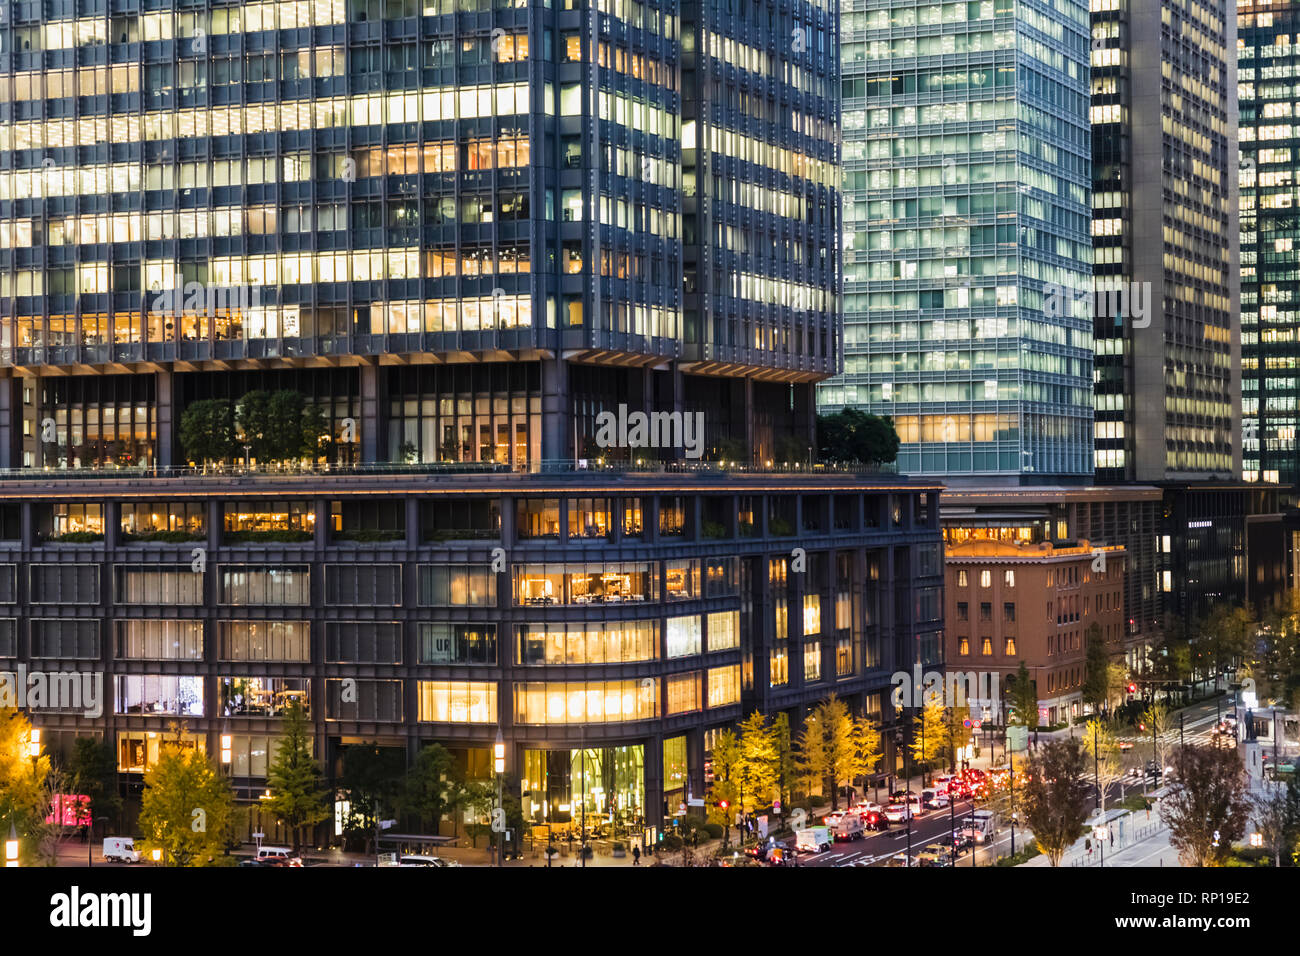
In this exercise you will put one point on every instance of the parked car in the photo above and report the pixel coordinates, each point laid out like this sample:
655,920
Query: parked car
121,849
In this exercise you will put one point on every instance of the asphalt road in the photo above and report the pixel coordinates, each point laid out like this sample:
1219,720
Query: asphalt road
877,847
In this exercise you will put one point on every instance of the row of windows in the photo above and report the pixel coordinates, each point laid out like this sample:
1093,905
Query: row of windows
459,702
986,646
377,642
379,585
986,579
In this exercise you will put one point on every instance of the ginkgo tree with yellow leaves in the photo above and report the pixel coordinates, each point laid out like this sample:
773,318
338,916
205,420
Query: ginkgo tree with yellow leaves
930,731
835,748
26,787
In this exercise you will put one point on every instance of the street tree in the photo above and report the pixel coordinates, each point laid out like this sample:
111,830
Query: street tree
828,749
869,746
1116,685
786,765
1022,699
298,798
372,777
759,762
723,792
1226,636
1101,744
185,808
1206,807
25,788
432,788
92,771
1271,813
1095,663
1054,803
1155,726
930,731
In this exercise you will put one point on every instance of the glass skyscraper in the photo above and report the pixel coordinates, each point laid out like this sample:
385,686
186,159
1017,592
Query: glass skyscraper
967,176
1268,77
1165,230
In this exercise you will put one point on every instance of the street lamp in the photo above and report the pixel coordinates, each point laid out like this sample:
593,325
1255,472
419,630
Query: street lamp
11,846
226,751
36,742
156,853
499,767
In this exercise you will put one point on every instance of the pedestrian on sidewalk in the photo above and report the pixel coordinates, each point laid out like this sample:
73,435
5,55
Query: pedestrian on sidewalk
636,856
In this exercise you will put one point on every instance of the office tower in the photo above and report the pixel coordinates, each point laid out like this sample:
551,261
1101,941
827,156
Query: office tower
457,233
1268,65
967,175
1164,109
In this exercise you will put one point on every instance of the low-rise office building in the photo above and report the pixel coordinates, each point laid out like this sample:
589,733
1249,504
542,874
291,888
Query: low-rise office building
609,624
1010,602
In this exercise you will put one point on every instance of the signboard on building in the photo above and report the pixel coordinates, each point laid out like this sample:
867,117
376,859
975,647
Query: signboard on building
1017,738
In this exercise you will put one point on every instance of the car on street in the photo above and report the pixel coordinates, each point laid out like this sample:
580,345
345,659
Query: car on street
897,813
876,820
934,799
936,854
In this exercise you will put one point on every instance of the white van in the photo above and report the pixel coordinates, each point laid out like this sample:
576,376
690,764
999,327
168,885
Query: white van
277,855
415,860
121,849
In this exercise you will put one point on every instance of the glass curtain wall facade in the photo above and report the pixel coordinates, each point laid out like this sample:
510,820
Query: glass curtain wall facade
967,180
1268,75
1165,228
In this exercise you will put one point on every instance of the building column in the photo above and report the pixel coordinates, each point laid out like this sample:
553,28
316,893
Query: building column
805,413
371,424
11,450
557,420
164,405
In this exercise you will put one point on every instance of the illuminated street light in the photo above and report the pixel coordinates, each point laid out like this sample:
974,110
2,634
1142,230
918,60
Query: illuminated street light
499,754
225,749
157,856
11,847
1257,839
36,742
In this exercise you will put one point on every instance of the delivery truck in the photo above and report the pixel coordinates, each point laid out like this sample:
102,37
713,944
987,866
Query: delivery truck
812,840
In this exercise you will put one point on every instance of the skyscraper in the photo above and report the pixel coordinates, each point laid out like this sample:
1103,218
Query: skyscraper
501,280
967,174
1268,71
1164,114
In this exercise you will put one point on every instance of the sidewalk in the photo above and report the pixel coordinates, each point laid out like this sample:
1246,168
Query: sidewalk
1129,829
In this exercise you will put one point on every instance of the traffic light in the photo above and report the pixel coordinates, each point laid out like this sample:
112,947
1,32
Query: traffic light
1132,687
1142,727
722,804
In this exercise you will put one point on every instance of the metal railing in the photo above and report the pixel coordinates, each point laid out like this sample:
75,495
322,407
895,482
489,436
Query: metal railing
548,467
